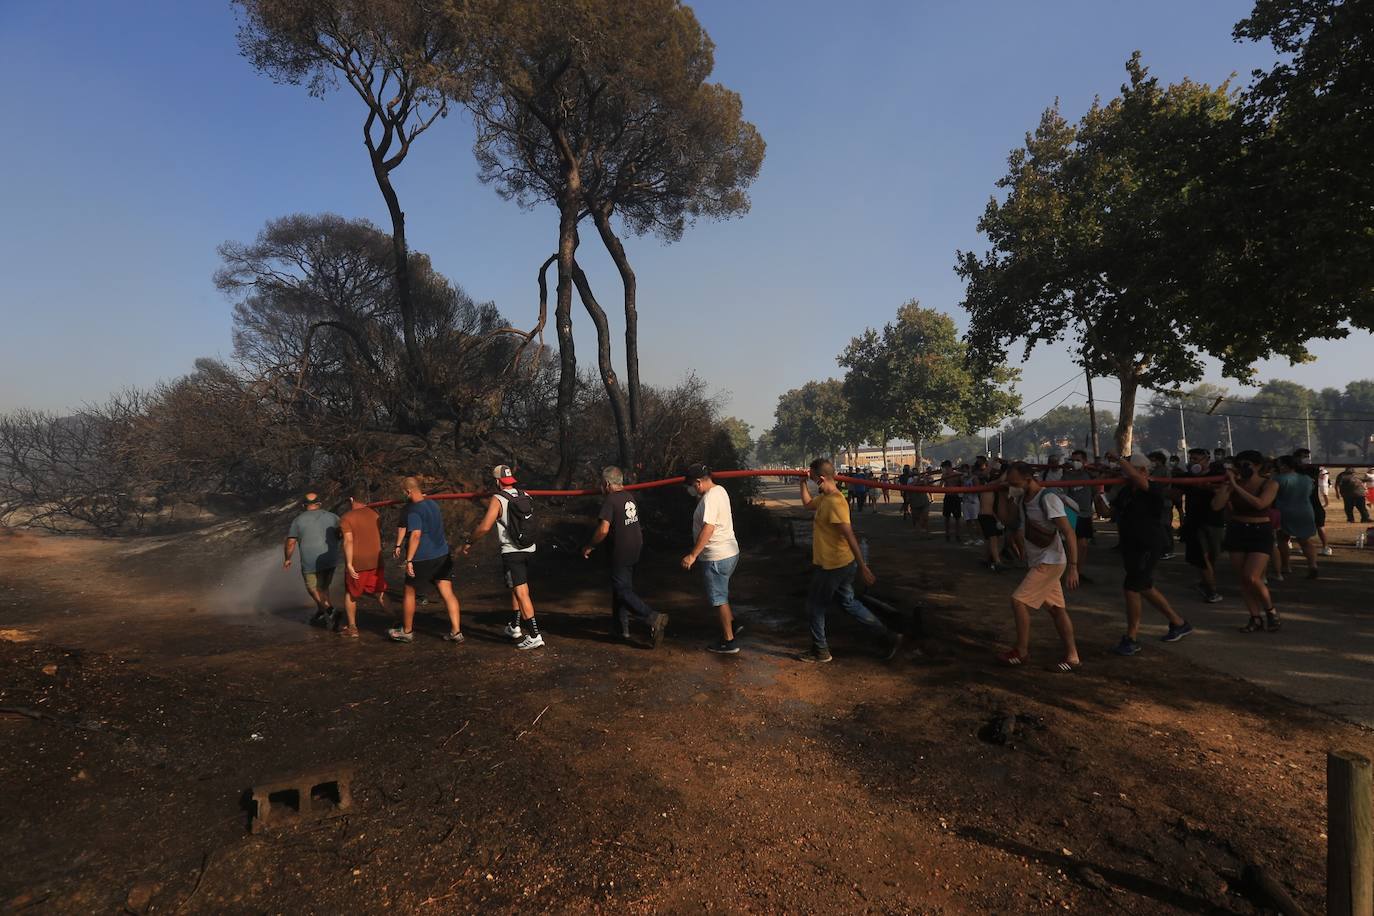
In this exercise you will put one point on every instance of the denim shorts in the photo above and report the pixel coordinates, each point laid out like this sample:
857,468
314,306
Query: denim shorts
715,574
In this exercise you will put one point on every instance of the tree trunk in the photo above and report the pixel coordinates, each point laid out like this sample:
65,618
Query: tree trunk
1125,423
607,367
602,219
567,355
415,367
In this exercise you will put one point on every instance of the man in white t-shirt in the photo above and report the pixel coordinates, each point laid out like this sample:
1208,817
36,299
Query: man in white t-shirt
1049,537
714,549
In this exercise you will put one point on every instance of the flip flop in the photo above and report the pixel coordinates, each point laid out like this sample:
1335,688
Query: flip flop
1066,668
1011,658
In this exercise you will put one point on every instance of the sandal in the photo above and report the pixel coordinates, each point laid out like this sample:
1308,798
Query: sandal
1011,658
1271,620
1256,625
1067,667
351,632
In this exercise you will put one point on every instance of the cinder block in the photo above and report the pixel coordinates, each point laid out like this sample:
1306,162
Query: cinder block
300,798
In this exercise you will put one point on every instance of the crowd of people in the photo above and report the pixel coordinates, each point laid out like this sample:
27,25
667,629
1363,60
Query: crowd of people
1252,508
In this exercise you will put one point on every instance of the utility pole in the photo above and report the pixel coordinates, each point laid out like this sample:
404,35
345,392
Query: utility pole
1002,454
1230,443
1307,419
1182,432
1092,413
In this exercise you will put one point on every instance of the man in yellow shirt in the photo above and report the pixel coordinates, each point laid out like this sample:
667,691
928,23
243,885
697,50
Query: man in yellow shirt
837,559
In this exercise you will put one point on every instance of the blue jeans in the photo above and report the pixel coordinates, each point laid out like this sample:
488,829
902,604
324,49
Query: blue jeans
715,575
829,585
624,601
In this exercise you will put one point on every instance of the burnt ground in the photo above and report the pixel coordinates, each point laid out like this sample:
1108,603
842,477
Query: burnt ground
149,684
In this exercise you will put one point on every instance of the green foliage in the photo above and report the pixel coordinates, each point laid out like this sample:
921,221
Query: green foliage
739,434
815,419
1305,191
913,379
1095,241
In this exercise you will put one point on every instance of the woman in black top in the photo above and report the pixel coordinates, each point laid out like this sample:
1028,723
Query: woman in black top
1250,535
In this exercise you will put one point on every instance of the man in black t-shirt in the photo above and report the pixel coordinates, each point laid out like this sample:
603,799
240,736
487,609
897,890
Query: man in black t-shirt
1138,508
619,520
1203,527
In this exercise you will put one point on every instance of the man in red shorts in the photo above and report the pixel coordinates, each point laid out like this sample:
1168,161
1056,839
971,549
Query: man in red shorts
362,545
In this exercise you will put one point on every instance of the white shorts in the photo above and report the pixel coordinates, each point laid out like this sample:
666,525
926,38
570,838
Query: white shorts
970,512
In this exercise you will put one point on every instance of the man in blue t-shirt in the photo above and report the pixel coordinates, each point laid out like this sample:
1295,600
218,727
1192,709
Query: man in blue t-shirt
423,548
316,532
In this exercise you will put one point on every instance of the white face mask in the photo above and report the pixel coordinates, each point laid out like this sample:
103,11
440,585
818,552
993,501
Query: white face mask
1077,465
1016,492
1195,468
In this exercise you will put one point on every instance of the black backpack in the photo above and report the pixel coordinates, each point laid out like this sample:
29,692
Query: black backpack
521,525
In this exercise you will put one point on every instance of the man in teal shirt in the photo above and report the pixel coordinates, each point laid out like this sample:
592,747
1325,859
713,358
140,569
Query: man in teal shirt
316,533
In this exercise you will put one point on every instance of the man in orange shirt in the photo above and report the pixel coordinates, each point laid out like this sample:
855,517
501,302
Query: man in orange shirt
362,545
837,559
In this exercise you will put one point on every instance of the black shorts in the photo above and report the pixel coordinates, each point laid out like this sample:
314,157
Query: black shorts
988,523
1319,513
431,572
1249,537
1139,563
1084,528
954,505
516,567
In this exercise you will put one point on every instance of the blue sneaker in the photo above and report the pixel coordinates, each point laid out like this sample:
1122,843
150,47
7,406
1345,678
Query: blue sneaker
1178,632
1127,646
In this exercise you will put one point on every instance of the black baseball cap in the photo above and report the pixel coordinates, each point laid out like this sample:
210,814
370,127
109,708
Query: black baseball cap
697,471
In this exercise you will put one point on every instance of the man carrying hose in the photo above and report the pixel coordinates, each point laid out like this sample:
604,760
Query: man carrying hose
1048,539
316,532
713,531
619,520
362,548
837,559
422,548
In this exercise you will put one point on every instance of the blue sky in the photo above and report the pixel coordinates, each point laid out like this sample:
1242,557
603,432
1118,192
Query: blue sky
138,140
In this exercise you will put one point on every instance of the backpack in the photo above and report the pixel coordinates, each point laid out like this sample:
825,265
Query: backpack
1044,537
521,526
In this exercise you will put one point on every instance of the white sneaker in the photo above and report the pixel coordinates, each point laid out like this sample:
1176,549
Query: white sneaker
1327,552
531,642
513,631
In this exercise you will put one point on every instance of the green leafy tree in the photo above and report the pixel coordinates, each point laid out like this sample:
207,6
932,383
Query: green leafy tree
1061,429
1158,426
1092,244
1357,405
913,379
740,434
815,419
1303,198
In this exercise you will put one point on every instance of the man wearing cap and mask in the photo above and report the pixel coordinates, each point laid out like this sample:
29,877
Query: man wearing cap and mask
316,532
508,512
714,549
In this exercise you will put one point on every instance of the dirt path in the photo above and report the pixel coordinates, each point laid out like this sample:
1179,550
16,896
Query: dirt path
599,776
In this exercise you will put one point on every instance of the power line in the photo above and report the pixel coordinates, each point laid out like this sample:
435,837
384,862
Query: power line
1316,415
1050,392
